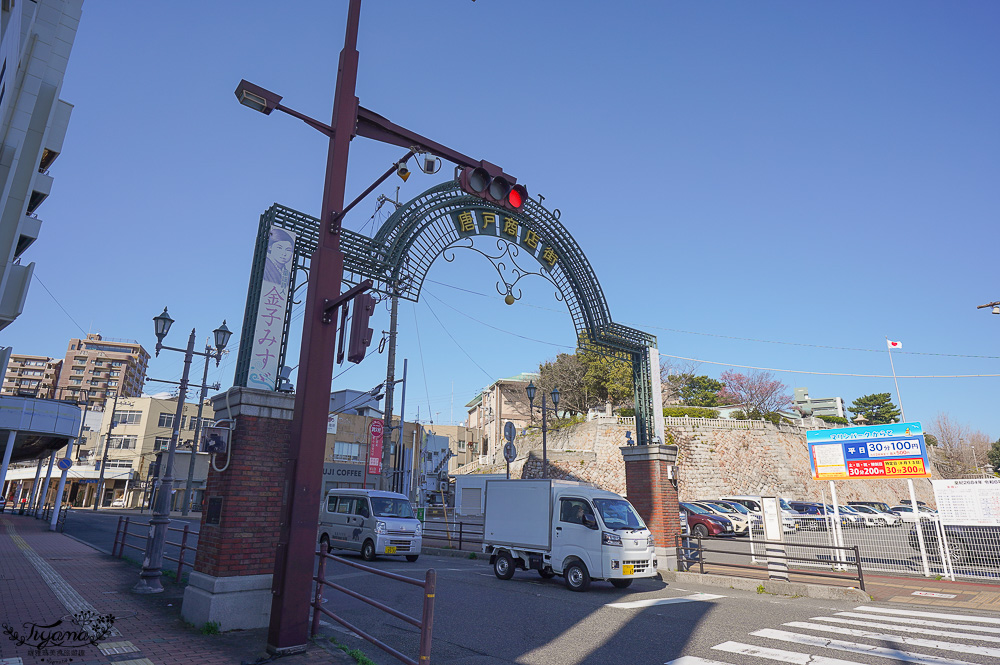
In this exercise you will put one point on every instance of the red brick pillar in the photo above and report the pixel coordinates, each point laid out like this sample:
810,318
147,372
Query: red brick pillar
240,519
651,490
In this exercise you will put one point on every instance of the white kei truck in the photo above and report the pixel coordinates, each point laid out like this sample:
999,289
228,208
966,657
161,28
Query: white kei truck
565,528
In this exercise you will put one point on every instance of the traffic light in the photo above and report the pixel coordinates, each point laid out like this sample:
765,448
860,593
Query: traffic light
361,334
500,188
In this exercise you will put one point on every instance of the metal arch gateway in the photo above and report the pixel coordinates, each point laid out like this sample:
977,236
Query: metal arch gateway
422,229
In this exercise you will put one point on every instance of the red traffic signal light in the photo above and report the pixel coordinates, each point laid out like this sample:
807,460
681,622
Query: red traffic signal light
500,189
361,334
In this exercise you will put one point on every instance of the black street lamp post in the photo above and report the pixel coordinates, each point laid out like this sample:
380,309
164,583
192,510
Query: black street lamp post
555,403
149,577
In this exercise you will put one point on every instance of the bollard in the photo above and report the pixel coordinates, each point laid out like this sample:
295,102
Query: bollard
180,558
320,578
427,619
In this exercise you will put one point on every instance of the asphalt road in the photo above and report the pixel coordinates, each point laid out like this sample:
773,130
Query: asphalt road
97,528
481,620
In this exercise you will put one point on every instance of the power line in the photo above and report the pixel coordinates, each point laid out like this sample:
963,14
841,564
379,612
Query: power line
35,276
447,332
867,376
423,365
529,339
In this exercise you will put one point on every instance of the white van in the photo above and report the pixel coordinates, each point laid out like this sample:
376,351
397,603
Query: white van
371,522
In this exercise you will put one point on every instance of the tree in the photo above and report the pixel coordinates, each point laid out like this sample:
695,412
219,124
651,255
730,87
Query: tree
608,379
993,456
757,391
586,379
960,451
700,391
877,409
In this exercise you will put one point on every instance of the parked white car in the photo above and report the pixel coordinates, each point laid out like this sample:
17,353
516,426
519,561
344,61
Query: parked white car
906,514
877,517
118,503
741,521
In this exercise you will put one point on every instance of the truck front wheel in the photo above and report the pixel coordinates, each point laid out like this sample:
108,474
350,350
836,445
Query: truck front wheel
577,577
503,566
621,584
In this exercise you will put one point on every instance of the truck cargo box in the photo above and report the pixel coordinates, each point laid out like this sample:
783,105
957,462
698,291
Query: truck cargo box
518,513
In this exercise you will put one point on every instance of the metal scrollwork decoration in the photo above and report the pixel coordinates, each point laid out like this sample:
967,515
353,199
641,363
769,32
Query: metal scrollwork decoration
509,276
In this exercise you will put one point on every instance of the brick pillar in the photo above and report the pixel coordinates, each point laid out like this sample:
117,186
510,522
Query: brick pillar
240,520
652,492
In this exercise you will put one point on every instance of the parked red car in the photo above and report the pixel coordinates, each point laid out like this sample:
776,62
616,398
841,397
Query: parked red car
703,523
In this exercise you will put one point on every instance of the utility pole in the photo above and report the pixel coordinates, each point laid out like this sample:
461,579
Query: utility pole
197,432
107,444
390,383
397,480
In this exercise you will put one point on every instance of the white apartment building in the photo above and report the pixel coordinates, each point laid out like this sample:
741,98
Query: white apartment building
36,37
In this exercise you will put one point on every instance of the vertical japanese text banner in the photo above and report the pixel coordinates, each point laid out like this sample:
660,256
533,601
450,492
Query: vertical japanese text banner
274,295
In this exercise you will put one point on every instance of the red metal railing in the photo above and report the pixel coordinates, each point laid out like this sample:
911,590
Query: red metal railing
122,532
425,623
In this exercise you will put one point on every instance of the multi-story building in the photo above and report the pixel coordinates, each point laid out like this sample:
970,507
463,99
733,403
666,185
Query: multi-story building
35,41
465,443
821,406
102,367
503,401
31,376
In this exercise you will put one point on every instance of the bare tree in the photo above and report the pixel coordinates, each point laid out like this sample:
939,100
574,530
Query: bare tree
674,376
960,450
758,391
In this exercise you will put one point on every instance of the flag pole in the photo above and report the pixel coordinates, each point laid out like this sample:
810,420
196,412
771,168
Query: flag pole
902,414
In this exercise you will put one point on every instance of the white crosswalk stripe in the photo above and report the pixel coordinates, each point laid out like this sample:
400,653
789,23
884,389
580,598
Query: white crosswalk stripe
650,602
867,635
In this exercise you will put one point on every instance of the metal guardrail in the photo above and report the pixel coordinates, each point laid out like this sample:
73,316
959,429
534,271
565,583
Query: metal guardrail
687,555
425,623
463,532
122,532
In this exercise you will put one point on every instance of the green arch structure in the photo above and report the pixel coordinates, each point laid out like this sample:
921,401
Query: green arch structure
422,229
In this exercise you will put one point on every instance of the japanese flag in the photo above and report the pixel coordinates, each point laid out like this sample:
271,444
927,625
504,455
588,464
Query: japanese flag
893,345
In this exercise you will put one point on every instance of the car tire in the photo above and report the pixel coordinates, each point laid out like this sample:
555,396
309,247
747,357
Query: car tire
882,522
368,551
547,573
577,577
503,566
622,584
324,540
412,557
700,530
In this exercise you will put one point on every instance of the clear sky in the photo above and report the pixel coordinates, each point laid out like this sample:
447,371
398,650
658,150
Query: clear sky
774,184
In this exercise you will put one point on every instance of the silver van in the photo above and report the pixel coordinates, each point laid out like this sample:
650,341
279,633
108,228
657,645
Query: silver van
371,522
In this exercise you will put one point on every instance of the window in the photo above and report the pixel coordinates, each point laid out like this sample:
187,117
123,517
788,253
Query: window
112,384
573,511
348,451
115,372
361,507
461,446
119,464
98,363
122,441
346,506
76,382
161,443
78,371
126,418
331,504
166,420
183,422
117,363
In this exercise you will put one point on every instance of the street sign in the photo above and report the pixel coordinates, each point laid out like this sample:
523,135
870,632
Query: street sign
509,431
509,452
65,464
896,450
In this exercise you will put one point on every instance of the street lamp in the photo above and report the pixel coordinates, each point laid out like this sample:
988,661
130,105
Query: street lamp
994,305
531,390
149,577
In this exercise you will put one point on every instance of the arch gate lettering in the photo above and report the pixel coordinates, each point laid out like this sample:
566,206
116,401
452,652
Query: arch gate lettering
442,218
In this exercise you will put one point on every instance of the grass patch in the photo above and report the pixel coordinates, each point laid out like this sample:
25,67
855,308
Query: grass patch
760,588
211,628
472,555
357,654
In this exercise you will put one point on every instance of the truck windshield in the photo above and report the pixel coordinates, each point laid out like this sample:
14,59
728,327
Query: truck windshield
384,507
618,514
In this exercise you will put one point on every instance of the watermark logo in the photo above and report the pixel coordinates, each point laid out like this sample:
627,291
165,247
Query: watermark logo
79,629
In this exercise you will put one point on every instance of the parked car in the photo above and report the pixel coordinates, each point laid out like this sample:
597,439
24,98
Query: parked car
741,521
753,504
877,517
815,515
966,544
118,503
877,505
854,518
703,523
907,515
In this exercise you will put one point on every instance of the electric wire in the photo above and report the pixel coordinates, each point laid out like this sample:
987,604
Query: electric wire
448,333
34,275
514,334
423,368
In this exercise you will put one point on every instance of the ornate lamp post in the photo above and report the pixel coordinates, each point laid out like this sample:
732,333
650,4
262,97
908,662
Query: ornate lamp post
149,578
555,402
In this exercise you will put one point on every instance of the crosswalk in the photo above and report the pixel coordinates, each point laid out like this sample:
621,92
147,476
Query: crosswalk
867,635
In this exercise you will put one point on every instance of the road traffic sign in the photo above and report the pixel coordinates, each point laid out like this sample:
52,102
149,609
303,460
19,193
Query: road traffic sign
509,452
509,431
65,464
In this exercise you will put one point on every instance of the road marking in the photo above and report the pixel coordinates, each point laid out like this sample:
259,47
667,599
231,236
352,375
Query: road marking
918,622
912,641
854,647
931,594
780,654
929,615
650,602
909,629
694,660
115,648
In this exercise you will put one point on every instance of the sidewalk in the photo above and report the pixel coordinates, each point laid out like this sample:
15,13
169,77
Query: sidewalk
46,576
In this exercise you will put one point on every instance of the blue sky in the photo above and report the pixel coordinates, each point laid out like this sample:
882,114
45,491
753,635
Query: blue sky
814,175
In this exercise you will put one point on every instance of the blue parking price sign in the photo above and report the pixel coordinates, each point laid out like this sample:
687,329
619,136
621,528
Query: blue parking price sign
895,450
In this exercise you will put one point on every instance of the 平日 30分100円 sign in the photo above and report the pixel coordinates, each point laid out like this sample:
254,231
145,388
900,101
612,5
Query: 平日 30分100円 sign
879,451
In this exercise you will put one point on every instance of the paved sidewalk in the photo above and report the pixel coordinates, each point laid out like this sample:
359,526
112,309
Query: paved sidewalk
45,577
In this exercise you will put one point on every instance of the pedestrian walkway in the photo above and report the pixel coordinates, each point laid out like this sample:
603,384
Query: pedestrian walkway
56,592
868,634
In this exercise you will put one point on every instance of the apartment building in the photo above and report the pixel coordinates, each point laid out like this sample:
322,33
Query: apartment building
36,38
817,406
97,367
31,376
505,400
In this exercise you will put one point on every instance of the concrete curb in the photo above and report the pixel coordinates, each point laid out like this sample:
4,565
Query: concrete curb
444,551
776,587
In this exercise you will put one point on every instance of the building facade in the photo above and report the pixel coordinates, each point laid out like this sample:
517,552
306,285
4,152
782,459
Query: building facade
96,368
503,401
31,376
822,406
36,38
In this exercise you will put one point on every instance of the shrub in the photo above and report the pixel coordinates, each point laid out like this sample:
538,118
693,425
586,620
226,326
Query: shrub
838,420
690,411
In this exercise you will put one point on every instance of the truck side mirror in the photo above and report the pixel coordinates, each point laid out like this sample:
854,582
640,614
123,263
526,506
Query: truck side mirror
590,521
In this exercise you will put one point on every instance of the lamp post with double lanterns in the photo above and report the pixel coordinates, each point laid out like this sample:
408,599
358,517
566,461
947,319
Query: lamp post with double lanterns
149,577
555,403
